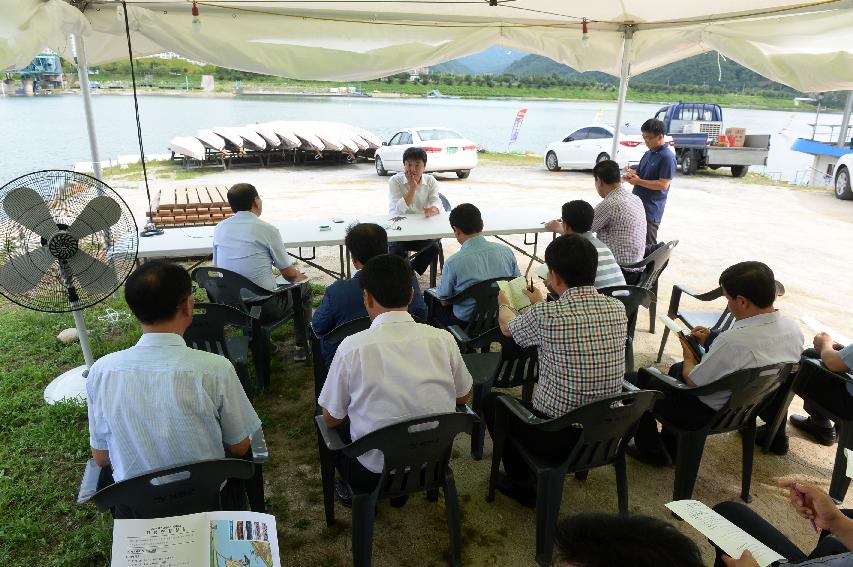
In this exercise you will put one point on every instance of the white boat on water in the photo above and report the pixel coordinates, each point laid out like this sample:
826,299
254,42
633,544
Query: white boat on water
211,139
187,146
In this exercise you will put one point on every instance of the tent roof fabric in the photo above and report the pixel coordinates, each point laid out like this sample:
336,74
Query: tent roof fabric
802,44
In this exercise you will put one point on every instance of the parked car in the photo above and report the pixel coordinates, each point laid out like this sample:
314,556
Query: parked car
843,171
446,150
584,148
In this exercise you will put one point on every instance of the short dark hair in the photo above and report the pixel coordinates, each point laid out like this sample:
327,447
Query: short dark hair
607,171
753,280
574,258
653,126
388,279
415,153
578,215
156,289
365,240
610,540
241,197
466,217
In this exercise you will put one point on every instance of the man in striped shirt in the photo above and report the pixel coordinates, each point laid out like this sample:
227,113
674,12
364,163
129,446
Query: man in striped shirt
620,219
577,219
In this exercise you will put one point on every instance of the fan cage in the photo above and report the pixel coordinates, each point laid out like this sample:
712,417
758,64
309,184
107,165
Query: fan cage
66,194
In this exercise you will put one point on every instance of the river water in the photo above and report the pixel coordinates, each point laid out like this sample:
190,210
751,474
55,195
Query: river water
50,132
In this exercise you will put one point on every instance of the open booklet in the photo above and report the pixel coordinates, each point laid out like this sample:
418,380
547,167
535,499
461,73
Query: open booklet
730,538
208,539
514,291
684,336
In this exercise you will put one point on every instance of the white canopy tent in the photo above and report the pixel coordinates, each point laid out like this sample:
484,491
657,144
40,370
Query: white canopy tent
805,45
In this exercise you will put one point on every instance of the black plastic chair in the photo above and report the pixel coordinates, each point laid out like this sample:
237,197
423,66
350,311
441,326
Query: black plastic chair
230,288
750,389
809,368
195,488
607,426
708,319
653,265
632,297
333,338
482,328
512,367
416,460
207,333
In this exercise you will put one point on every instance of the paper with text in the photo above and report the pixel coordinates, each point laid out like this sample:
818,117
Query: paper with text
513,290
730,538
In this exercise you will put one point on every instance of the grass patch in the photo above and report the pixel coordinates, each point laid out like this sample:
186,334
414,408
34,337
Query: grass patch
497,158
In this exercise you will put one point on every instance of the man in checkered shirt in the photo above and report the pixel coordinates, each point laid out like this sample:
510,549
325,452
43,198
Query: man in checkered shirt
620,219
581,344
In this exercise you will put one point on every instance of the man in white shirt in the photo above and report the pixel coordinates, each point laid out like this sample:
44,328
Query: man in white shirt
759,337
377,378
413,192
160,403
251,247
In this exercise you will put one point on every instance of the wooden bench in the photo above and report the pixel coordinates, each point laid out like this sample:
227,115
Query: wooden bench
191,206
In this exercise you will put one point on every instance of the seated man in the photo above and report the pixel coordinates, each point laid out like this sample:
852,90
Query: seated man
581,343
835,544
831,393
608,540
396,370
251,247
160,403
619,220
413,192
577,219
344,299
478,260
759,337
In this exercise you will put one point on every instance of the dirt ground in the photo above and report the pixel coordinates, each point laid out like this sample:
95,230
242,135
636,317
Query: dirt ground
803,235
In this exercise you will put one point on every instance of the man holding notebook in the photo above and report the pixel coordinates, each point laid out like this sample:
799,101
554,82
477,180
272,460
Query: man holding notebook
759,337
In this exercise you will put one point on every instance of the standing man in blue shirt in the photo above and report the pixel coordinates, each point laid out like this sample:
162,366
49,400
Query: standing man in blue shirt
653,175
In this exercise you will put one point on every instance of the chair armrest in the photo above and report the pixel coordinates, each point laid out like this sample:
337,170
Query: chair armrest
516,408
706,296
330,435
661,381
255,312
458,334
433,292
89,484
628,387
260,452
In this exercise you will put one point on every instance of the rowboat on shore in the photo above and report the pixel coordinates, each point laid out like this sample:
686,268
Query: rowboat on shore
211,140
187,146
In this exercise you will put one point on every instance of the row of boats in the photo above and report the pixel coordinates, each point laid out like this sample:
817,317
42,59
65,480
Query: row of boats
308,136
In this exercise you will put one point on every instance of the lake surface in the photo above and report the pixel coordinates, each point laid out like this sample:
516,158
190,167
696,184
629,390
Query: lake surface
50,132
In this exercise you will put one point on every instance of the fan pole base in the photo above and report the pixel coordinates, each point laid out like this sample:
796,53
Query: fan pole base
71,384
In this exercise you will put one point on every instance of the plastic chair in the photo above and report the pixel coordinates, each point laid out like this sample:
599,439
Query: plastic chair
195,488
607,425
207,333
512,367
632,297
333,338
230,288
482,328
840,481
750,389
653,265
416,460
708,319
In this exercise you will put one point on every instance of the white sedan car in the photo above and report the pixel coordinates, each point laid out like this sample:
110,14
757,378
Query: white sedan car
446,150
843,173
584,148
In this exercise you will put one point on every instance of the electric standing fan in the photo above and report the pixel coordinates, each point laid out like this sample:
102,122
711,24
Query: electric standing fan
67,242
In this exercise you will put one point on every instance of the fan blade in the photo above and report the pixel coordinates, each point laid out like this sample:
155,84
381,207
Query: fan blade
94,276
100,214
24,272
25,206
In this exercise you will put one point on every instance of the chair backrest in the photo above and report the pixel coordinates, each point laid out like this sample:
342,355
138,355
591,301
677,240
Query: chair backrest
193,488
608,424
227,287
726,319
654,264
519,366
484,318
632,297
416,451
750,388
207,331
445,203
332,339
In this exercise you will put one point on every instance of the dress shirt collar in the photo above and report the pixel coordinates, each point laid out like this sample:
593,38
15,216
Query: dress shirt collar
391,317
756,320
578,291
472,242
160,340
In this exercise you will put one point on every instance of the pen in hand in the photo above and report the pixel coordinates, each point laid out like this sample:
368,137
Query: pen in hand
802,497
530,285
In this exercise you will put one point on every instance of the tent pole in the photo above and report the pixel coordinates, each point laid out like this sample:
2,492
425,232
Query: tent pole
845,121
627,36
83,73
